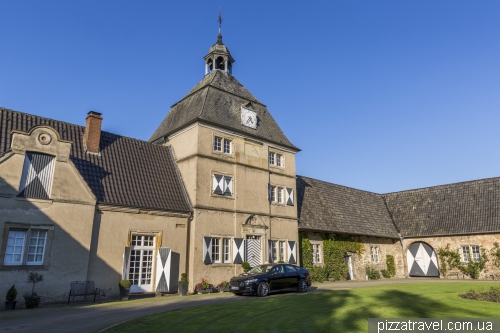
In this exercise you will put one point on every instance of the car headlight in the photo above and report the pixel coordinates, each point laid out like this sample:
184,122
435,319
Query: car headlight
250,281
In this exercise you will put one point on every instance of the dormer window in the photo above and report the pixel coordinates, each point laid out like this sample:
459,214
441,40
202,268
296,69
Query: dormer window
38,172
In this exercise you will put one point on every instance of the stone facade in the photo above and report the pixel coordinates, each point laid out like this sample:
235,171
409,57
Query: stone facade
485,241
248,211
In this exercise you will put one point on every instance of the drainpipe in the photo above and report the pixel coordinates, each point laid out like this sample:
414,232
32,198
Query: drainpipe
401,239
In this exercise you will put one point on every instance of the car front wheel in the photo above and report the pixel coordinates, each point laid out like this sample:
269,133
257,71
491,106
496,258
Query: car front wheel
263,289
302,286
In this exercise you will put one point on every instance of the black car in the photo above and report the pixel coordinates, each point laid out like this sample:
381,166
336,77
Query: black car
268,278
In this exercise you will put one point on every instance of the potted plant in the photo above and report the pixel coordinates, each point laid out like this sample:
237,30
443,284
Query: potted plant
204,287
124,289
32,300
183,285
10,298
223,286
246,266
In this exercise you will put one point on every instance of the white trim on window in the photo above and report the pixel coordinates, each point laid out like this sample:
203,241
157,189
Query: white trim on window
25,247
470,252
276,159
375,254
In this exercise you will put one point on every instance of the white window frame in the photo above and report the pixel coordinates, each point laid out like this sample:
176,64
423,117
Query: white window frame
216,255
227,146
278,194
476,256
278,250
26,246
221,250
317,252
222,145
282,251
375,254
273,194
217,143
276,159
470,252
271,158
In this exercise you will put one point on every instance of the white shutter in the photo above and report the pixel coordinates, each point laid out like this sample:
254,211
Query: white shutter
238,250
270,251
292,252
217,184
228,186
163,264
126,262
289,196
207,250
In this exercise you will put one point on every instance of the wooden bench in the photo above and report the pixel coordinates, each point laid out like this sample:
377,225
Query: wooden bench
84,288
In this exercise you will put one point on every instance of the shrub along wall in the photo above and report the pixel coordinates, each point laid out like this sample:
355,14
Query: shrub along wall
334,250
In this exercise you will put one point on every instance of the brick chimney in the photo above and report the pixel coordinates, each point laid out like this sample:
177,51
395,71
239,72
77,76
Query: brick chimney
93,132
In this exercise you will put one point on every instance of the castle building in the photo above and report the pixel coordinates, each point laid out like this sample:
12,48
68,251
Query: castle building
214,186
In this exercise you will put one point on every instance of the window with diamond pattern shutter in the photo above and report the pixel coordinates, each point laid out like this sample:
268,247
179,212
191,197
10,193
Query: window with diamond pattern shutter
207,250
289,196
238,250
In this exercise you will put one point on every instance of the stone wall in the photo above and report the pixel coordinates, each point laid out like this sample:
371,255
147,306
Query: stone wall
486,242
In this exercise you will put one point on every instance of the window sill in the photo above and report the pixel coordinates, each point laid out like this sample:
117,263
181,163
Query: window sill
230,197
219,153
218,264
23,267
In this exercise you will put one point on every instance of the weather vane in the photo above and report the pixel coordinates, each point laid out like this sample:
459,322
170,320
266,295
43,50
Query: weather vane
220,21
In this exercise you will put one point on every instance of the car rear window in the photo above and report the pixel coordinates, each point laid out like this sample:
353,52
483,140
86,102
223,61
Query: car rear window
290,269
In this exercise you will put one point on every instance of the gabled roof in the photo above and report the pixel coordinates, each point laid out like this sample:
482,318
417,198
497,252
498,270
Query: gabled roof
460,208
217,100
128,172
334,208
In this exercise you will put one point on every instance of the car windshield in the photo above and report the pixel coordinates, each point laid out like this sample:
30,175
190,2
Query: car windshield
260,269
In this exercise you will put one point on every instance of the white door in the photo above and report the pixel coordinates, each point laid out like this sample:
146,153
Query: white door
253,250
141,263
348,260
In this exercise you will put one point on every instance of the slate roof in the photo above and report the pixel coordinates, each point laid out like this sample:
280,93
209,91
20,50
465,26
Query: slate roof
334,208
459,208
128,172
217,100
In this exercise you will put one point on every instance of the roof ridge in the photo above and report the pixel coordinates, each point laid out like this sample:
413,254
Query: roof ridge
348,187
442,185
32,115
71,124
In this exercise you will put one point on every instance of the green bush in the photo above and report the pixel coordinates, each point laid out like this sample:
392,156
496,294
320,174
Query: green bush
372,273
11,294
391,265
491,295
125,283
386,273
474,268
184,279
246,266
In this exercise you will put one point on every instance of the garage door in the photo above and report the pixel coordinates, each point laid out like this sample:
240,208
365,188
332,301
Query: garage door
422,260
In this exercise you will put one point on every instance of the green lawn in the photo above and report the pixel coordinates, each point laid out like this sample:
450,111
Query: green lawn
332,311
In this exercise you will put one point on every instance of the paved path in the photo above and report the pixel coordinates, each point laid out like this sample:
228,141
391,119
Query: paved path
94,318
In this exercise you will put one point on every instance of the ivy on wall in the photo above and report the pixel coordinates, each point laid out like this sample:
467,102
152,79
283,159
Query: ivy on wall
334,250
450,259
391,265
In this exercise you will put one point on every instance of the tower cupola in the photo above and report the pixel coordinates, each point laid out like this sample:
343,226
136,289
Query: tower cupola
218,56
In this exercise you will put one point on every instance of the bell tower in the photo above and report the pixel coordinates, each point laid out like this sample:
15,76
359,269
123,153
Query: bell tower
218,57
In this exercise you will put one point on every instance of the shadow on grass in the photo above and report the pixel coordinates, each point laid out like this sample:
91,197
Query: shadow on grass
351,310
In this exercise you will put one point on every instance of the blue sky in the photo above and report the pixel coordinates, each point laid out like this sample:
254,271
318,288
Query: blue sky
379,95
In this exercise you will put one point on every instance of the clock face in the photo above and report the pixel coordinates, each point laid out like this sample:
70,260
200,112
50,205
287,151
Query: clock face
248,117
